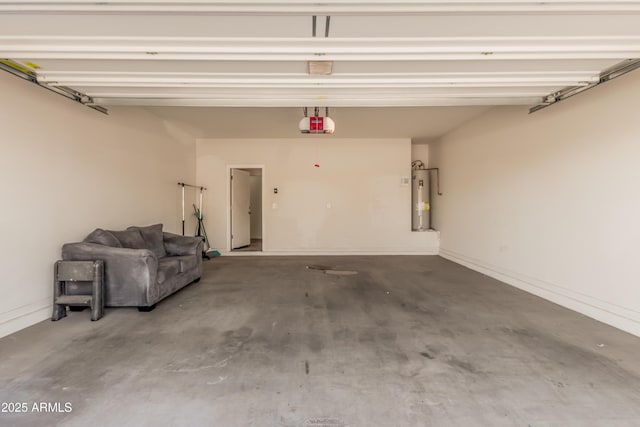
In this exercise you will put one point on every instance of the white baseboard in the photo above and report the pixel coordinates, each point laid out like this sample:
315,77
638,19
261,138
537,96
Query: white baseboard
327,252
619,317
22,317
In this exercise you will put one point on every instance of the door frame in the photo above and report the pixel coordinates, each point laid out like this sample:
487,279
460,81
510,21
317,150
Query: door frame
228,198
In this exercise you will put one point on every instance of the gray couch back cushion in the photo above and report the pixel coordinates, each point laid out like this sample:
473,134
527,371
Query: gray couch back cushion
131,239
103,237
152,236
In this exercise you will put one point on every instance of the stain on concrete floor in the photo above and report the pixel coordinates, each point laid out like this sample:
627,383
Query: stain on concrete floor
331,270
409,341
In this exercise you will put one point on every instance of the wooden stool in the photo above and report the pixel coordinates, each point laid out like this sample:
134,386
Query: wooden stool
90,272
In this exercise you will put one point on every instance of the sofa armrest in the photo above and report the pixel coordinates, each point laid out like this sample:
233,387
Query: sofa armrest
178,245
130,274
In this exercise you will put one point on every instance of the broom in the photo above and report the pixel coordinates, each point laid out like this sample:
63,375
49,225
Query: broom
202,232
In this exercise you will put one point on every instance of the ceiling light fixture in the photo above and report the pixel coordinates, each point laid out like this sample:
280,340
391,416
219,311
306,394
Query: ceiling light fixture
320,68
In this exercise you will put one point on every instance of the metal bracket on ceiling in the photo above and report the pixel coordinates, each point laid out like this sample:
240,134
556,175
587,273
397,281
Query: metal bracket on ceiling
18,70
611,73
316,111
25,73
314,25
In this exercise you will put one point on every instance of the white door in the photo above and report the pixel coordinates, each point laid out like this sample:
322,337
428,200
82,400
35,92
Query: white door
240,209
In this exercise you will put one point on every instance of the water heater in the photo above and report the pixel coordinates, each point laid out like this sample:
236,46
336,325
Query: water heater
420,200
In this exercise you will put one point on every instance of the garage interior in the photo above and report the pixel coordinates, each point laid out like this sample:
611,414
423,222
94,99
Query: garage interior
518,305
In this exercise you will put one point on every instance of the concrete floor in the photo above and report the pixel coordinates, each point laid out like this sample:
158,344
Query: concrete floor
263,341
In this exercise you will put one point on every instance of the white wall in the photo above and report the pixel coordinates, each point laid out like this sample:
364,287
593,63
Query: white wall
66,169
550,202
370,211
420,152
256,206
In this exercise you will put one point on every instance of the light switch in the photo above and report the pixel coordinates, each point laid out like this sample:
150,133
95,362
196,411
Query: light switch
329,205
274,206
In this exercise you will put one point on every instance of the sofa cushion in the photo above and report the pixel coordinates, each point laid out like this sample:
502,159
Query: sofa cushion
152,236
131,239
103,237
187,262
167,268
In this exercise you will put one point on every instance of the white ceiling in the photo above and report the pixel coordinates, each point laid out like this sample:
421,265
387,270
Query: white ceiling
254,53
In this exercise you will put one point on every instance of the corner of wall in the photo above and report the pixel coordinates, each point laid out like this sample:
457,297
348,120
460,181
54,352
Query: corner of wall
98,170
541,201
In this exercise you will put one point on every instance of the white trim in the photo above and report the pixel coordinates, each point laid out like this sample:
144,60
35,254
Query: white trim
327,7
328,252
22,317
620,317
227,250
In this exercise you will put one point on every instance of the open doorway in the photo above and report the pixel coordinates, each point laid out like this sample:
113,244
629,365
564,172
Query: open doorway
246,209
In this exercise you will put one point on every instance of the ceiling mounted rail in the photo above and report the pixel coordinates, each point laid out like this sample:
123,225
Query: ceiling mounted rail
326,7
19,70
607,75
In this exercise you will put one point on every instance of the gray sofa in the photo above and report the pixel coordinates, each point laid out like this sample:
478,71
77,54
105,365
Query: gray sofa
142,265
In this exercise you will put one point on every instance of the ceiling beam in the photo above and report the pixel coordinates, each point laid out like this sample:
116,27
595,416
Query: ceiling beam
308,49
347,94
329,102
478,56
480,75
315,83
179,79
326,7
315,44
